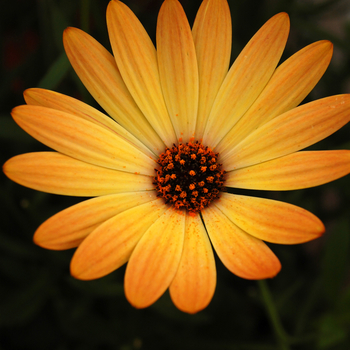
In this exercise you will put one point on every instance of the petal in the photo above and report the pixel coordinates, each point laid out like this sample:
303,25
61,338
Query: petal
98,71
68,228
178,68
289,85
194,284
109,246
243,254
82,139
136,58
56,173
212,35
55,100
247,78
153,263
271,220
290,132
295,171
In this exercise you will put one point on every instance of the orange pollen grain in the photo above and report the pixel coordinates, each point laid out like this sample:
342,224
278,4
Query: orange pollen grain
210,179
189,177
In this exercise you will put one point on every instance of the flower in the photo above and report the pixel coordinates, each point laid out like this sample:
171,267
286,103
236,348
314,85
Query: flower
186,131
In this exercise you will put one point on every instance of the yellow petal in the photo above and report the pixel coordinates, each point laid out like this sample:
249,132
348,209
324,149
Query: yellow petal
110,245
55,100
271,220
56,173
98,71
243,254
247,78
153,263
178,69
212,35
68,228
289,85
194,284
136,58
290,132
292,172
82,139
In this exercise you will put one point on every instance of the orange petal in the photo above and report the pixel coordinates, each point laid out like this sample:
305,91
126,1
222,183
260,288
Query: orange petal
55,100
56,173
289,85
98,71
110,245
154,262
243,254
68,228
270,220
82,139
178,69
212,35
194,284
290,132
136,58
247,77
292,172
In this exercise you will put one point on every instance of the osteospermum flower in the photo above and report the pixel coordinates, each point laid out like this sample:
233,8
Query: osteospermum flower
184,130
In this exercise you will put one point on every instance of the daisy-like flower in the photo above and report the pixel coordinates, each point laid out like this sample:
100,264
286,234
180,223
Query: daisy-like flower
184,129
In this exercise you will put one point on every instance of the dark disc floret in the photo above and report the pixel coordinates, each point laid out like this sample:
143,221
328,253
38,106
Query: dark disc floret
189,176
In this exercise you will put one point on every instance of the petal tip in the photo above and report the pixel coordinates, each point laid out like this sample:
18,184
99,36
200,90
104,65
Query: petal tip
77,272
283,19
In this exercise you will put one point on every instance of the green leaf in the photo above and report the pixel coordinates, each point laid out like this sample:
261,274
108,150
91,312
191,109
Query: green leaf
56,73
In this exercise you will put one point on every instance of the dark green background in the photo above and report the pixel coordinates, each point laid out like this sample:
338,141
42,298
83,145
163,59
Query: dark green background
42,307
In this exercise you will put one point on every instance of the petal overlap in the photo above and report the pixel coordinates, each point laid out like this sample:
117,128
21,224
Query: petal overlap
68,228
271,220
212,36
178,69
82,139
98,71
55,100
290,132
288,86
292,172
243,254
109,246
247,77
136,58
154,262
56,173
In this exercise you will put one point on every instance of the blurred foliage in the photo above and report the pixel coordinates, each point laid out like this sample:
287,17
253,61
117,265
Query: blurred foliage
42,307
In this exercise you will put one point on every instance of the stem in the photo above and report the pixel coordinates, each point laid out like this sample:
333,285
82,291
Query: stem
272,313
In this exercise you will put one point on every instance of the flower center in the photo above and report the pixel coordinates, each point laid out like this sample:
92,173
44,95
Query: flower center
188,176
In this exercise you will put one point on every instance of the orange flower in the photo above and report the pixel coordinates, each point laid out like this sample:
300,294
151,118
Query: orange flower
245,120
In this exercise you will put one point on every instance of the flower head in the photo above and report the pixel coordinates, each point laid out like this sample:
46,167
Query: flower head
185,130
